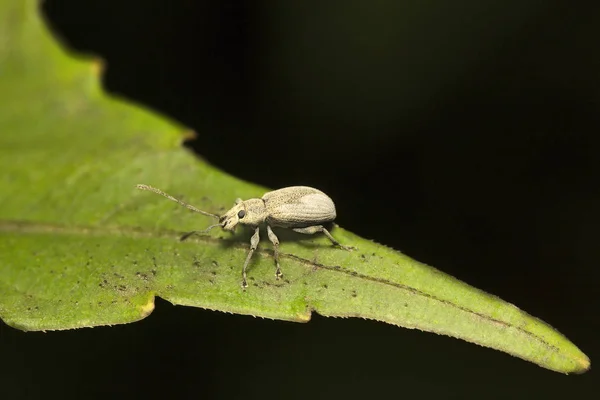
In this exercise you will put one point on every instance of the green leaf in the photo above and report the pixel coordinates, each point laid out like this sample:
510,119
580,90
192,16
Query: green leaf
80,246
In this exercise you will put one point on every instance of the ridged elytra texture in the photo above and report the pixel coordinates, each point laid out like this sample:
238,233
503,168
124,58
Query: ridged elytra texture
298,206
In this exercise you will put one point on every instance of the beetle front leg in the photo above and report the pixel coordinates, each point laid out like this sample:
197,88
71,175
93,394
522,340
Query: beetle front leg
253,246
311,230
275,242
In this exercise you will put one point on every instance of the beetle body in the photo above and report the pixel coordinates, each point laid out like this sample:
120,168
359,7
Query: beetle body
300,208
291,207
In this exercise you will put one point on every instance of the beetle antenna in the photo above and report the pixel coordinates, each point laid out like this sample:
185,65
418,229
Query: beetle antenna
188,234
168,196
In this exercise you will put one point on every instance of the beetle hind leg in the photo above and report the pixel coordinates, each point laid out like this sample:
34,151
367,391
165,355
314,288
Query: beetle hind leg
273,238
311,230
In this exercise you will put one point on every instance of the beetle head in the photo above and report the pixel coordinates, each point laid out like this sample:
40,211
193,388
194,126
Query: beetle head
233,217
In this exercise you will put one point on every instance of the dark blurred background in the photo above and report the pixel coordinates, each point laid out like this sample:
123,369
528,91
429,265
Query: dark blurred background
463,133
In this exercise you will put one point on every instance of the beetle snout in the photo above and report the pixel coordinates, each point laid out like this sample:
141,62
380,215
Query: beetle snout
228,224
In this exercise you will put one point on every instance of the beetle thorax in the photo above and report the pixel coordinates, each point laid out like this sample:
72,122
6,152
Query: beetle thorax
256,212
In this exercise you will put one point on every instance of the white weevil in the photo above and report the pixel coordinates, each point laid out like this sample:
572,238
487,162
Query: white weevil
300,208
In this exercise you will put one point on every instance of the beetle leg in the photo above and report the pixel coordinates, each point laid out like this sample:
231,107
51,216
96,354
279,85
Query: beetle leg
275,242
310,230
253,246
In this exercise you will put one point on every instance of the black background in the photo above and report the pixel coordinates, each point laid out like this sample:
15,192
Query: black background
463,133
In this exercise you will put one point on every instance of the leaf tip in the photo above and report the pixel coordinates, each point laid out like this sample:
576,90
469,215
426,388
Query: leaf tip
583,365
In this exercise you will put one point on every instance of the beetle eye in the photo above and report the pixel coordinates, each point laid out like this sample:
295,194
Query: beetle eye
241,214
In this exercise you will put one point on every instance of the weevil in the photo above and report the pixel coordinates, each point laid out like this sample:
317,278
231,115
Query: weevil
300,208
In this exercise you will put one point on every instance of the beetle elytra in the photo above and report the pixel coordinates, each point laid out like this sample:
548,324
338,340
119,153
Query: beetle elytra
300,208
